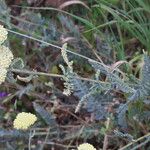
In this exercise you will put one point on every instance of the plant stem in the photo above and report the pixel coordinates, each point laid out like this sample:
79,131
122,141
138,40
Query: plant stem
105,145
51,75
50,44
135,141
31,135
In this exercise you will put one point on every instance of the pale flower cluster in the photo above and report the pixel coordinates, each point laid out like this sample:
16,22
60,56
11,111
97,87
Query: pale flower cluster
6,55
24,120
3,73
3,34
86,146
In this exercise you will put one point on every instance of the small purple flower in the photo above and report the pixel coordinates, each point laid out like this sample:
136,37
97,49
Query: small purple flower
3,94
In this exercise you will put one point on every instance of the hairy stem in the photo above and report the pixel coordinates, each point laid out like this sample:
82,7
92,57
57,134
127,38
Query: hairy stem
50,75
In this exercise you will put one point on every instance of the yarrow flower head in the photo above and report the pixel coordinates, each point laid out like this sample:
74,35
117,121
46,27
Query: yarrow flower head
86,146
3,74
24,120
6,57
3,34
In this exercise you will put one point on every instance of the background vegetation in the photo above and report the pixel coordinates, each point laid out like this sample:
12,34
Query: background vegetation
102,98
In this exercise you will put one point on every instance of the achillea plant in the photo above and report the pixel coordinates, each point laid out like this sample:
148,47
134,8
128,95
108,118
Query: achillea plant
6,55
69,87
86,146
3,73
24,120
3,34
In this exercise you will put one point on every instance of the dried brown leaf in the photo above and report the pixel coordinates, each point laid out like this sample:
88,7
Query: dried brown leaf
116,65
